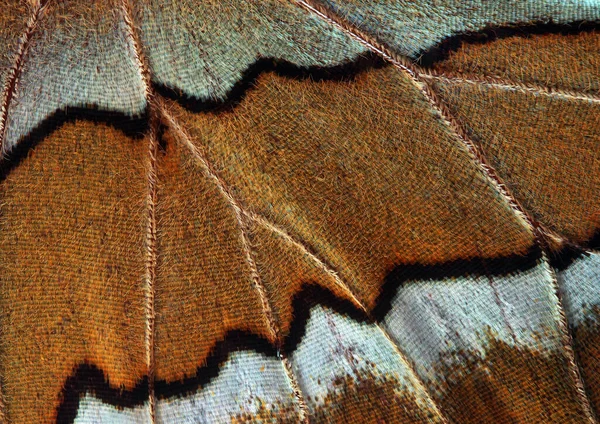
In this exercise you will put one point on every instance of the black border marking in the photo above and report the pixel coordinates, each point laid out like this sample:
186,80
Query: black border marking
402,274
594,242
134,127
442,50
137,126
346,71
88,378
565,257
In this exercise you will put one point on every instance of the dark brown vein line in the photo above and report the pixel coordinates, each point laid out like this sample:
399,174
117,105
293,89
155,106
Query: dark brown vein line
10,87
151,200
242,221
420,78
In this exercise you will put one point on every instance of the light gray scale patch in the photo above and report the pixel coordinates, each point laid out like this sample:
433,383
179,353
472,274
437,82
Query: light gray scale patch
203,48
580,288
336,346
432,318
76,59
411,27
94,411
246,382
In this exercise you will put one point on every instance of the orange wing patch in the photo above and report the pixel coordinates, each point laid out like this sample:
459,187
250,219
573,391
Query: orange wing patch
382,180
71,279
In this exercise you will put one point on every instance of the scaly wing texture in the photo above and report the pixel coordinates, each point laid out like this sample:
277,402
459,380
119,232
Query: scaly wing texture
268,211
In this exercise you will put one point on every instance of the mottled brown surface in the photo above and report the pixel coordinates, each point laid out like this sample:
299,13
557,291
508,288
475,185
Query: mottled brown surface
569,62
72,225
203,283
361,172
586,341
369,399
545,149
510,385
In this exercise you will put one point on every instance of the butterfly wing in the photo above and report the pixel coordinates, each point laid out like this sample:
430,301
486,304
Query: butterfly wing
238,211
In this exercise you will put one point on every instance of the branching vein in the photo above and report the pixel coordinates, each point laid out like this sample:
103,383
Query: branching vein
242,217
422,78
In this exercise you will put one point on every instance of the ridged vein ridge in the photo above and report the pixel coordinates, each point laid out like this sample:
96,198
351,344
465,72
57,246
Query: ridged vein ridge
151,201
242,221
420,78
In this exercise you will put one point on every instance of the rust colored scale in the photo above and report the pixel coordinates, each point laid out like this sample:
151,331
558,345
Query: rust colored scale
71,286
544,148
567,63
203,285
368,399
494,386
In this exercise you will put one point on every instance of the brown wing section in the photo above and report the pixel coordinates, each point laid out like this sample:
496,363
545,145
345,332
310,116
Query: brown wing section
287,270
72,266
204,286
510,385
314,177
543,144
381,180
559,61
544,147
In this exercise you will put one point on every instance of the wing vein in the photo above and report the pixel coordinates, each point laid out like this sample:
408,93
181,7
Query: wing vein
151,200
507,85
8,93
10,87
421,78
567,343
242,217
346,288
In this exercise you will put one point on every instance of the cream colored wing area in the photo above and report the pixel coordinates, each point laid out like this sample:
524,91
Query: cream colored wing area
206,49
490,347
79,56
94,411
249,387
347,370
16,19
